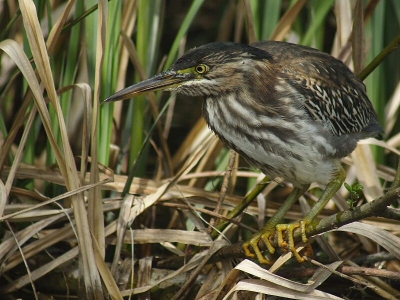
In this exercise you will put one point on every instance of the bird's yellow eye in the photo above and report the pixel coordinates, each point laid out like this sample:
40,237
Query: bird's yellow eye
201,69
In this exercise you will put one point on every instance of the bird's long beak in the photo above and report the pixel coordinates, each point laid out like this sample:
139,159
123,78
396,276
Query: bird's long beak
163,81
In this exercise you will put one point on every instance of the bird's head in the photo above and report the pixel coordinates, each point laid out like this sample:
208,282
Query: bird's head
212,69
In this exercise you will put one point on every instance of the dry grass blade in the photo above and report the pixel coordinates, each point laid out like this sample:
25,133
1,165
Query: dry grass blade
62,196
255,270
266,288
18,155
250,22
284,258
41,271
32,215
121,228
193,140
385,239
343,13
58,26
387,145
190,265
105,273
182,293
65,160
3,197
40,244
129,14
366,172
95,214
144,275
17,124
8,246
358,38
392,110
148,236
86,134
18,56
286,21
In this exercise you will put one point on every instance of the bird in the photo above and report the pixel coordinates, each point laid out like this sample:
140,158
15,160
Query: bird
292,111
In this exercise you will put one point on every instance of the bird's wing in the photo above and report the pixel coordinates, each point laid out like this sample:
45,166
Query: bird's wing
331,96
332,93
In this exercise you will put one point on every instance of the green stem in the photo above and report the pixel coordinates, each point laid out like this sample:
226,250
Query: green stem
241,206
380,57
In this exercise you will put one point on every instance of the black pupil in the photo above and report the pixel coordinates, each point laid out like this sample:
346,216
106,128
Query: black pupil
200,69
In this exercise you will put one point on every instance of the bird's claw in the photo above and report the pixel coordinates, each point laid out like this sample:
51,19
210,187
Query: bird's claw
252,250
289,245
252,245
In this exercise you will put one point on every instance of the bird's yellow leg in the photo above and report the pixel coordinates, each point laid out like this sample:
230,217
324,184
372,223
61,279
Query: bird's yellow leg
328,193
251,248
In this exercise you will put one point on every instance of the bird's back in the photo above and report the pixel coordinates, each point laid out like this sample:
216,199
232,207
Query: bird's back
332,93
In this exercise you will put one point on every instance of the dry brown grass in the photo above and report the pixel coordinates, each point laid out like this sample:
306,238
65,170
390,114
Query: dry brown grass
65,228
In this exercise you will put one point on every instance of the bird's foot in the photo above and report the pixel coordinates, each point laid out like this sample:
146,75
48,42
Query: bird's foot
252,250
289,229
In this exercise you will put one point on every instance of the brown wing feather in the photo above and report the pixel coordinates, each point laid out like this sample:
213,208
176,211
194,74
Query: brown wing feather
332,93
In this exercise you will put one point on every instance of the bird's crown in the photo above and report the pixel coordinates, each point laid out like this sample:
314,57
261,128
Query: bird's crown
218,53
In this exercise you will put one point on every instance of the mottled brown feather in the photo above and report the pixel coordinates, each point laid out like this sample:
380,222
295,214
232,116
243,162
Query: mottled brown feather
333,94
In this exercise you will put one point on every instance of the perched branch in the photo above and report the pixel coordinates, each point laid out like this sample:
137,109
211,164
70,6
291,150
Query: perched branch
377,208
